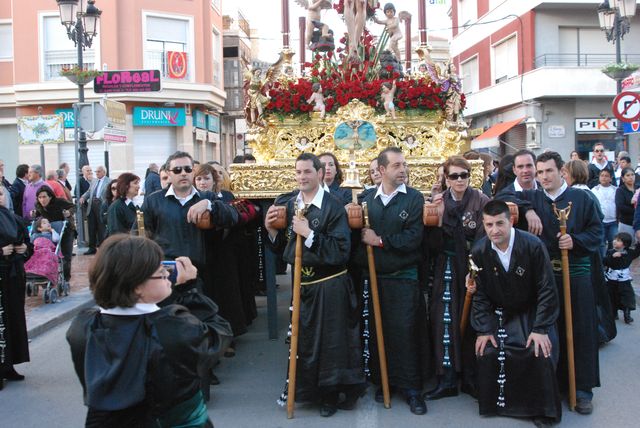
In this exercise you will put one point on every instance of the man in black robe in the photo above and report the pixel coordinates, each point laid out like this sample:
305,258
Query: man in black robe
329,344
514,313
582,240
395,233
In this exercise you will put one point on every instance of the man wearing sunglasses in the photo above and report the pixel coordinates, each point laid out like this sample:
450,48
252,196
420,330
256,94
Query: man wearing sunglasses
597,164
171,214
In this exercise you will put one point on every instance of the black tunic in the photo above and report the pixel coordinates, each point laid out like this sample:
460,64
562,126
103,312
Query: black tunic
14,344
329,344
586,231
403,311
120,217
528,298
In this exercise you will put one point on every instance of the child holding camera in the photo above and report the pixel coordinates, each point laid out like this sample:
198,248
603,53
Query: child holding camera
618,275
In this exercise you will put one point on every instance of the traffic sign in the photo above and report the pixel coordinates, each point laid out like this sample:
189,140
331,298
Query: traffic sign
626,106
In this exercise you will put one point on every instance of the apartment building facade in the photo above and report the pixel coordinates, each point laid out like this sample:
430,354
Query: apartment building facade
132,35
531,70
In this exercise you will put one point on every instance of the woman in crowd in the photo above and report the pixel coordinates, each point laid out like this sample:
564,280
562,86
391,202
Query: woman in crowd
624,207
109,196
460,213
221,277
14,345
56,209
333,177
140,365
506,176
121,216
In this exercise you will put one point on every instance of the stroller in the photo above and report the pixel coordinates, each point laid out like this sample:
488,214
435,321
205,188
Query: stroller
45,268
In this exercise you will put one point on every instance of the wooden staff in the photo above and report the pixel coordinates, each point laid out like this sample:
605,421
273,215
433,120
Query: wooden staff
295,322
466,309
373,280
563,215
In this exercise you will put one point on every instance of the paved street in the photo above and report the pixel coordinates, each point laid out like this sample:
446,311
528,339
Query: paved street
251,382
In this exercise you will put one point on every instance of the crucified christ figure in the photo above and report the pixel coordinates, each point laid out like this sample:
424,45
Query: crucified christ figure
355,16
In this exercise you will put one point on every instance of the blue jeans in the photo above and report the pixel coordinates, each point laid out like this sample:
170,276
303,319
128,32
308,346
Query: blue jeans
610,231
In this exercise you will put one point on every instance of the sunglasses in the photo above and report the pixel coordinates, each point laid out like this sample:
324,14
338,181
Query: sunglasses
598,150
455,176
178,169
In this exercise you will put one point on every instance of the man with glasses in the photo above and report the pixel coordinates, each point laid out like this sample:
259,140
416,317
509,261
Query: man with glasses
171,214
597,164
395,233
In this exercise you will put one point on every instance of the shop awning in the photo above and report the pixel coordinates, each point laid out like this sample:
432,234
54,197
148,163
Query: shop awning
491,137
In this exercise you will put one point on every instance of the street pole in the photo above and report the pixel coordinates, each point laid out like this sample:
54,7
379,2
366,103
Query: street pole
80,135
620,140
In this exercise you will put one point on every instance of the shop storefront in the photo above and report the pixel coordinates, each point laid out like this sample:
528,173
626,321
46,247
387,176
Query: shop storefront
593,130
154,135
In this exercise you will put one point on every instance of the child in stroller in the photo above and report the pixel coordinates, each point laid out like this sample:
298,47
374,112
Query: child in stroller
45,265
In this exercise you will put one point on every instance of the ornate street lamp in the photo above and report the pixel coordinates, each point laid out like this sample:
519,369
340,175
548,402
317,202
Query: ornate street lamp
615,17
82,26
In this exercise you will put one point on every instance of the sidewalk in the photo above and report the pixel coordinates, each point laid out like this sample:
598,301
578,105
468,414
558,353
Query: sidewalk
41,317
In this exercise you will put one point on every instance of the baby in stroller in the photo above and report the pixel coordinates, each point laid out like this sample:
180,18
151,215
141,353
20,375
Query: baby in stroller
45,265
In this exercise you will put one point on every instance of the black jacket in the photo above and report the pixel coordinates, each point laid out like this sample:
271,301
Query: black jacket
120,217
594,174
165,221
17,191
152,183
624,208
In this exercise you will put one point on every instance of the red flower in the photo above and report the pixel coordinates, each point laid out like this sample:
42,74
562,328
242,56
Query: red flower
402,104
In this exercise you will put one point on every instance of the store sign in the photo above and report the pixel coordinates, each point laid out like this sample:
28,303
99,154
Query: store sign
213,137
631,82
159,116
127,81
556,131
213,123
115,130
199,119
41,129
67,114
201,135
177,64
596,125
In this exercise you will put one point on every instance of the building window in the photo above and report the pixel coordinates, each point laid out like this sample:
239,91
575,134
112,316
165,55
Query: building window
505,59
59,52
164,35
467,12
470,75
217,58
6,41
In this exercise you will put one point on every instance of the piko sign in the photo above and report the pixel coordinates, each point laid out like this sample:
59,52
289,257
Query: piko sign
127,81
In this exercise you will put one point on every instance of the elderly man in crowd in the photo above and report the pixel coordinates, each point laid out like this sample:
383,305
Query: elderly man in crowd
31,190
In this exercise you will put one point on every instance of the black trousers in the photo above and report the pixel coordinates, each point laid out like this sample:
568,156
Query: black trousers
95,224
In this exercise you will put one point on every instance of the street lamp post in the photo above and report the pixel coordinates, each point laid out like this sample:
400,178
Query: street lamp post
82,27
614,17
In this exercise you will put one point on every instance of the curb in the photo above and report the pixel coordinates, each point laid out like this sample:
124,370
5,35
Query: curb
46,317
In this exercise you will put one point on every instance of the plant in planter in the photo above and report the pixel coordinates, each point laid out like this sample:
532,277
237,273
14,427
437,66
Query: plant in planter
619,71
79,76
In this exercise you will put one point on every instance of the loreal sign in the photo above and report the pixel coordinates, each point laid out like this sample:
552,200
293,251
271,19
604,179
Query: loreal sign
596,125
127,81
159,116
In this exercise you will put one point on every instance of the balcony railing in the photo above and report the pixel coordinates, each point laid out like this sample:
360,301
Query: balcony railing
157,60
582,59
55,61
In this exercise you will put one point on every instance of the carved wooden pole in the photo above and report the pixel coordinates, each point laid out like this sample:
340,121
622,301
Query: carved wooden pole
422,21
407,43
302,25
285,24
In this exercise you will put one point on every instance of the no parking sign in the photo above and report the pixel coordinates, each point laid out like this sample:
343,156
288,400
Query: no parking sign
626,106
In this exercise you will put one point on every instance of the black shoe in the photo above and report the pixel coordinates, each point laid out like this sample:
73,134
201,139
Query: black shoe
380,396
11,374
584,406
543,422
417,404
442,392
213,380
351,397
627,316
327,409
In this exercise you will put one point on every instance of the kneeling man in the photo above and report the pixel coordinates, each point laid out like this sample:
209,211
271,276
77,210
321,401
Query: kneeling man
514,311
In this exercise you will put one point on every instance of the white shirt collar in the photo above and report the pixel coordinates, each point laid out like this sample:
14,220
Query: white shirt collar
171,192
137,309
600,165
325,187
128,201
558,193
518,188
400,189
317,199
505,256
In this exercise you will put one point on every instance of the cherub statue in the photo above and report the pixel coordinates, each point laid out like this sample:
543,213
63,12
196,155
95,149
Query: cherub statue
256,89
314,9
392,26
387,93
318,98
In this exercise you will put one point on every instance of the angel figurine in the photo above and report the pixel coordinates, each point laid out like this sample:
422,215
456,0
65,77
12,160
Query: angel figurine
314,9
452,88
256,89
392,26
318,98
387,93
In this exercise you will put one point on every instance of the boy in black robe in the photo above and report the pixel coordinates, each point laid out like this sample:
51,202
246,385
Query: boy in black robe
395,214
584,235
329,343
514,313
